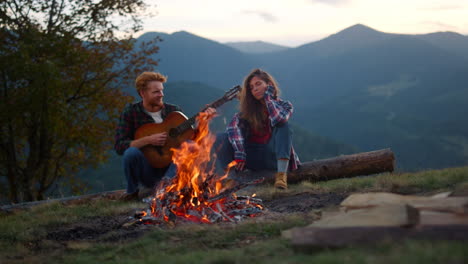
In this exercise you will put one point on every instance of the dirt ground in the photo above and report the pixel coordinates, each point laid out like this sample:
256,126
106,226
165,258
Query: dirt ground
113,229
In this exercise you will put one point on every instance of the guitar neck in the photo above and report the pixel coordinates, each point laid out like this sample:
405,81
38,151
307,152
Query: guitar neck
191,121
229,95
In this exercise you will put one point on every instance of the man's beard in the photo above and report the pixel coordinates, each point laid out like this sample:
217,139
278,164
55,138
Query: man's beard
157,103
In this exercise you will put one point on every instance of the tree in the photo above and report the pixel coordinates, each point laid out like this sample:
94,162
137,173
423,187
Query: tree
62,70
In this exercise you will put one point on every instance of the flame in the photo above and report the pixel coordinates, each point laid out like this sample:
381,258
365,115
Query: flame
196,193
192,158
192,183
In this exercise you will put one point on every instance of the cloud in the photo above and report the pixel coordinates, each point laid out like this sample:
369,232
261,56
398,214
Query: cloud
440,26
268,17
446,7
330,2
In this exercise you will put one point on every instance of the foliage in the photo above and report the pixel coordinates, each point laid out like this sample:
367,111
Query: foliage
61,73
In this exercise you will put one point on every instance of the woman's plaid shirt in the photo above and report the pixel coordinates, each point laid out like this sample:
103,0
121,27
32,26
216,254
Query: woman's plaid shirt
279,112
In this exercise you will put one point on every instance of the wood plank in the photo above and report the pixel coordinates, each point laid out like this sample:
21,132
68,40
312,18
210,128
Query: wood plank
386,215
442,218
450,204
318,237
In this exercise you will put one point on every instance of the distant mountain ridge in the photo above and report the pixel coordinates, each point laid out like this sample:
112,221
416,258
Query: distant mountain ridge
256,47
359,86
183,53
187,57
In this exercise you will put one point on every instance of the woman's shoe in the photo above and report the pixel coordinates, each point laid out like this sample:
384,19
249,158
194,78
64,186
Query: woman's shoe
281,180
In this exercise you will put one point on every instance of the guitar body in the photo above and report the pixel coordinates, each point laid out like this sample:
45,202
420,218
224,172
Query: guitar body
178,128
161,156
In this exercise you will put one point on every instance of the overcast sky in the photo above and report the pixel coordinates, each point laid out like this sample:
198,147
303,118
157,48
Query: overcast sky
296,22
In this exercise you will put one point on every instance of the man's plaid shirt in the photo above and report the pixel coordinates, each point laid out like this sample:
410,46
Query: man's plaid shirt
132,117
279,112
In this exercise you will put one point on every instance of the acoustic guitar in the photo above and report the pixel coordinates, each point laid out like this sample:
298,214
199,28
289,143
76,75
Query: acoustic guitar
178,127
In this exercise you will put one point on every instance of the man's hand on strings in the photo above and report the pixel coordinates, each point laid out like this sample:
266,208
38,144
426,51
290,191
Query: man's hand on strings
157,139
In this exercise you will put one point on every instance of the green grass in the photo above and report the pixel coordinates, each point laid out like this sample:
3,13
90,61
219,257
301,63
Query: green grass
257,240
19,229
273,250
404,183
423,182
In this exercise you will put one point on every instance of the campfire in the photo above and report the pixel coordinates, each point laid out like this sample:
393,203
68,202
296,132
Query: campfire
196,193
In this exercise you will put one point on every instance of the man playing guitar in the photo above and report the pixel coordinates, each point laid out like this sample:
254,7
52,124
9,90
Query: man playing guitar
151,109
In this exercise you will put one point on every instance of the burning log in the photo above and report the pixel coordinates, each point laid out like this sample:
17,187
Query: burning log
223,213
234,189
196,193
346,166
225,206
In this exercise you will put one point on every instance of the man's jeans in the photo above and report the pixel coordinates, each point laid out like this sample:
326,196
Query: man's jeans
259,156
138,170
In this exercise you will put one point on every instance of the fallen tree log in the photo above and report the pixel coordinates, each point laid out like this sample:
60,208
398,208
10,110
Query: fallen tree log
345,166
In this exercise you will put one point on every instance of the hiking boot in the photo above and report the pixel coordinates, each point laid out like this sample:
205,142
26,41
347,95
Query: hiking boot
281,180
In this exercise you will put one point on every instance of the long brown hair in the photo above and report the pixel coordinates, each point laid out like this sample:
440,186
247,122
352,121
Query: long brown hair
252,109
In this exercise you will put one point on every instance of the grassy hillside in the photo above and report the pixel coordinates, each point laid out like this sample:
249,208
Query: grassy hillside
93,232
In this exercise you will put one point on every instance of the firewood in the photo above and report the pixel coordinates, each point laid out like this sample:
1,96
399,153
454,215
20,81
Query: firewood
449,204
220,210
246,211
213,216
234,189
169,206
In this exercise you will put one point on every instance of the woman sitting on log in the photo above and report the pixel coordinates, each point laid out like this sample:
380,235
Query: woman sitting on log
259,137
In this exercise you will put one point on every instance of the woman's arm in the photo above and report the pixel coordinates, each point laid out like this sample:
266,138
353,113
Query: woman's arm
279,111
236,139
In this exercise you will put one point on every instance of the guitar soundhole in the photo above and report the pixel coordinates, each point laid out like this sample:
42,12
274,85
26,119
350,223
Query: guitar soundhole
173,132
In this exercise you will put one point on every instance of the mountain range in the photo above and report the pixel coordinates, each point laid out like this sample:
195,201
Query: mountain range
360,86
256,47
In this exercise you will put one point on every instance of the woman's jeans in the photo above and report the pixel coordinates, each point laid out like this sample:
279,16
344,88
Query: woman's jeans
138,170
259,156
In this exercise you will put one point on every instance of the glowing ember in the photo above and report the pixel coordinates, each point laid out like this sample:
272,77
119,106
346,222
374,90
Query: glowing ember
196,193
